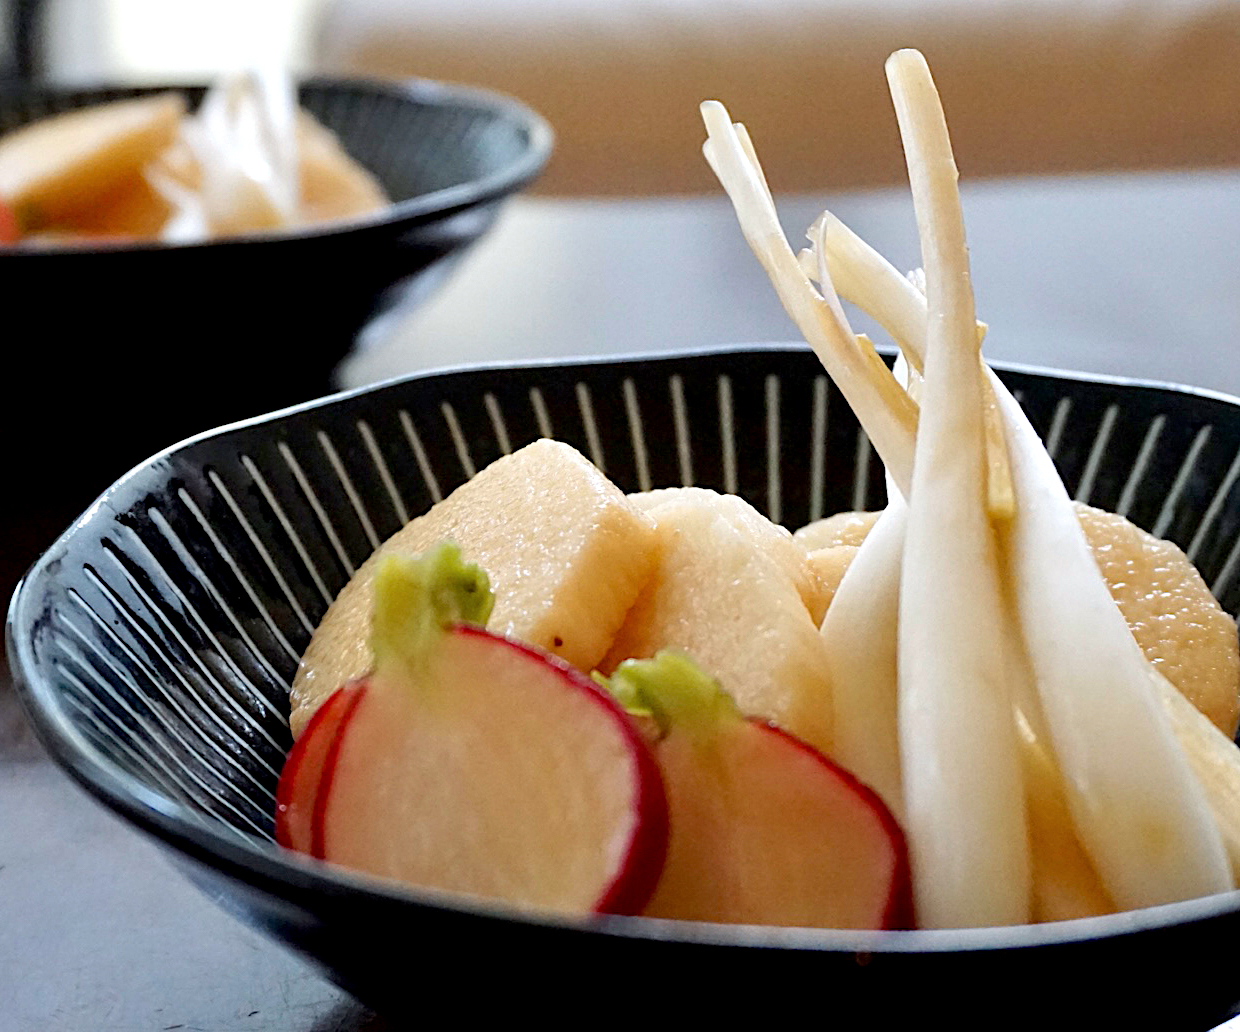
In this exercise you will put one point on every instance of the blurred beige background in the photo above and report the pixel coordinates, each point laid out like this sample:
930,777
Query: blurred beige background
1098,141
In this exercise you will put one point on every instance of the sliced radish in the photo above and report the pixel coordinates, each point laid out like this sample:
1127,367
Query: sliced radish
476,764
764,828
303,770
10,225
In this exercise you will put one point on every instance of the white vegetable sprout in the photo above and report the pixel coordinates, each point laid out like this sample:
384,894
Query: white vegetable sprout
983,678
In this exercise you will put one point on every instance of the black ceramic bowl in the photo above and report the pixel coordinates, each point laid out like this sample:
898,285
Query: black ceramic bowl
134,346
153,646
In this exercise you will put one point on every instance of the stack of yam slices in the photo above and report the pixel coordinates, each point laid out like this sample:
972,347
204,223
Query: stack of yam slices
597,577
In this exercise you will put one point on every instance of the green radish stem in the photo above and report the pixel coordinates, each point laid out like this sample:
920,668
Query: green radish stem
417,598
674,691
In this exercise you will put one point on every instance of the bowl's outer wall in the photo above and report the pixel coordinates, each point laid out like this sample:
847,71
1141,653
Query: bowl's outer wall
135,348
155,642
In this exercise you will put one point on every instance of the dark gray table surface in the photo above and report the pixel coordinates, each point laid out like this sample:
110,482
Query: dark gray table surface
99,932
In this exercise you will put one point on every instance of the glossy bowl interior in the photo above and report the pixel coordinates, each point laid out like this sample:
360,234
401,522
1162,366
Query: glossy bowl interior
153,646
126,348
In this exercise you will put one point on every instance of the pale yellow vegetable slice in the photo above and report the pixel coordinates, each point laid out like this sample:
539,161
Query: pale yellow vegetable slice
735,610
1181,628
842,528
565,551
772,539
133,210
333,185
57,167
963,784
829,565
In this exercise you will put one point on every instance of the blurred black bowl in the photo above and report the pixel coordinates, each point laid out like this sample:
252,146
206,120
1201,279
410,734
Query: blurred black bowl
154,643
117,351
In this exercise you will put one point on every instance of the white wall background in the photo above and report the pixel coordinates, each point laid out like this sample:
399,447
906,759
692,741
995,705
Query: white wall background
177,40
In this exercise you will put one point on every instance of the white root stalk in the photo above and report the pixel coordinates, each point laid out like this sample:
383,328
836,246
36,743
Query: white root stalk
963,788
860,634
1212,756
1140,812
860,637
1153,788
887,413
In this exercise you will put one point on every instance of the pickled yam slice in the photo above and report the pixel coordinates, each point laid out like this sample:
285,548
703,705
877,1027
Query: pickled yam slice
887,412
1140,811
133,210
789,554
859,633
829,566
833,543
333,185
60,166
1181,628
727,603
843,528
963,789
565,550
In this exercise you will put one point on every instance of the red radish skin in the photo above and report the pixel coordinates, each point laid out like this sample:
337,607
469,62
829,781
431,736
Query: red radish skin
738,867
10,226
393,733
298,789
899,913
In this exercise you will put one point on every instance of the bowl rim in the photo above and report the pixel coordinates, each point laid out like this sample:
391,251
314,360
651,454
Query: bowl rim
412,211
270,868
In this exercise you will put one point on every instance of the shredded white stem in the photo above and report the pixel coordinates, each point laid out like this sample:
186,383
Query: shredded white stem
871,283
885,411
858,270
997,630
900,308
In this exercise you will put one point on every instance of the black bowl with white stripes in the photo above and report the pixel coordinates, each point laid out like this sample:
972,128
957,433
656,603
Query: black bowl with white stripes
154,645
144,342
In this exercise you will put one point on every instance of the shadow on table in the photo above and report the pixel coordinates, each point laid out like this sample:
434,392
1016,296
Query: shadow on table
17,739
350,1016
